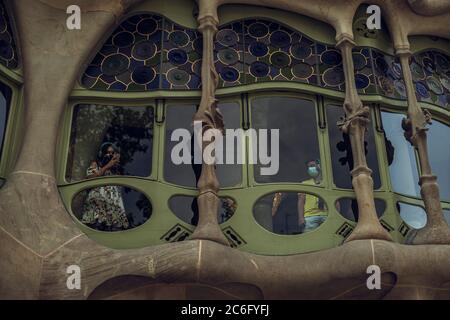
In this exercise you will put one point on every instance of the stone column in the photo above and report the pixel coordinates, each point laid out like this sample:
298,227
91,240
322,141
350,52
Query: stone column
355,125
210,117
436,230
33,220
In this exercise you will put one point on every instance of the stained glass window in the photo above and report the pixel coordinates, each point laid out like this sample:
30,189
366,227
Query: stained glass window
229,56
431,76
8,51
147,52
389,76
275,52
365,78
150,52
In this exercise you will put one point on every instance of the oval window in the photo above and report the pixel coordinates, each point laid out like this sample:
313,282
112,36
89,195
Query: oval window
111,208
290,212
348,208
186,209
414,216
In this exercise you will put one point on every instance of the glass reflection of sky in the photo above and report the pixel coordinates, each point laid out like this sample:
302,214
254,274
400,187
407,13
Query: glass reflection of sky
403,170
413,215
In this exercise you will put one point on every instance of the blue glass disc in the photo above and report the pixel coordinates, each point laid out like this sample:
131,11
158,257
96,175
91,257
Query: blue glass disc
177,56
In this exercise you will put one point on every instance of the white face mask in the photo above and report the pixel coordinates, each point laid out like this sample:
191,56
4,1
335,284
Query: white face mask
313,172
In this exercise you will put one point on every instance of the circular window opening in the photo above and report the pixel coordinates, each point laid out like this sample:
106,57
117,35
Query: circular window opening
414,216
111,208
290,213
348,208
186,209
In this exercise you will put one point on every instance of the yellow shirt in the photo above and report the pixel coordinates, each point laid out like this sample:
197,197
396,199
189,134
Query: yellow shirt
312,207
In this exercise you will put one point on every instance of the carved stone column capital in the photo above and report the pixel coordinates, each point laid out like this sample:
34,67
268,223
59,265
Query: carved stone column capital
345,38
207,22
415,125
358,116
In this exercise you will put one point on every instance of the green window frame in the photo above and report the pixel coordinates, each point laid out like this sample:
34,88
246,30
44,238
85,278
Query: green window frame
164,226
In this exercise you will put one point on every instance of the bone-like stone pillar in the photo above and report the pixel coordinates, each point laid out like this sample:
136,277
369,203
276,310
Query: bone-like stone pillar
436,230
33,220
210,117
355,125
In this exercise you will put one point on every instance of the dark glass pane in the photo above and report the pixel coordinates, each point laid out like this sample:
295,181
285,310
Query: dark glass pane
181,117
186,209
298,142
348,208
98,129
439,151
400,155
414,216
341,151
5,100
290,212
111,208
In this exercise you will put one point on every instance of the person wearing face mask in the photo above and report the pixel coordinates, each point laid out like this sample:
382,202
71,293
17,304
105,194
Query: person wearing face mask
103,208
311,209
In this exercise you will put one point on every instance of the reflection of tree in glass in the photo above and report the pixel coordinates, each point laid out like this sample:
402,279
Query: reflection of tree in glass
145,207
228,207
137,206
130,128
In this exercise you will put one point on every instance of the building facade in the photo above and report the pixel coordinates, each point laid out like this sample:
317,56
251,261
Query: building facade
364,159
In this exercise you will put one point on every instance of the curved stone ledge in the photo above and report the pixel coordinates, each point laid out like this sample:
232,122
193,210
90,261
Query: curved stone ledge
338,273
430,7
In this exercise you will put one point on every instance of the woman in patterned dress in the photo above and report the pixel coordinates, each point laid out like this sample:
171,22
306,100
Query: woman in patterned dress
103,208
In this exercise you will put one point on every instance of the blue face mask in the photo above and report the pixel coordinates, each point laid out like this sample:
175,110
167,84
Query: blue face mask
313,171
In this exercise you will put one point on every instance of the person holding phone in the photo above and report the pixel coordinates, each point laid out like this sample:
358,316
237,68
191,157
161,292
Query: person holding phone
103,208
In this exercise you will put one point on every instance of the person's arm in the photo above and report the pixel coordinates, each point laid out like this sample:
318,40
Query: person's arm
276,202
301,208
95,171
